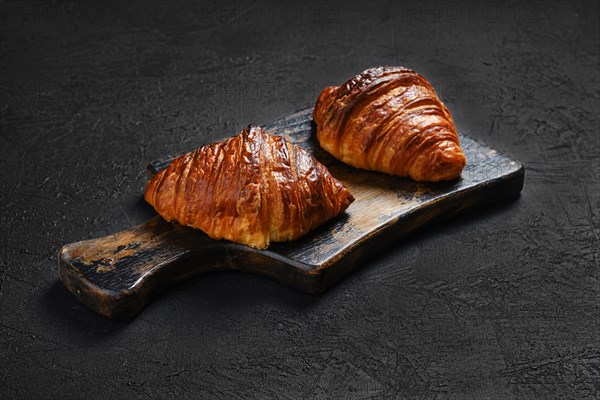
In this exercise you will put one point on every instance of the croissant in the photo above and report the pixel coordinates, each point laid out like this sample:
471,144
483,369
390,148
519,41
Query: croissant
389,119
253,188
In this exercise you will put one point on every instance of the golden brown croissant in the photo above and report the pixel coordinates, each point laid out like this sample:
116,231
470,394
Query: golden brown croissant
253,188
390,119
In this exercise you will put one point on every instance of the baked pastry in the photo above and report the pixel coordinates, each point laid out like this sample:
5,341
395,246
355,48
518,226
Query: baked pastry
389,119
253,188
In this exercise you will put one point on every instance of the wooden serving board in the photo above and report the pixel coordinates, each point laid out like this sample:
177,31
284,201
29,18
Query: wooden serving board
118,275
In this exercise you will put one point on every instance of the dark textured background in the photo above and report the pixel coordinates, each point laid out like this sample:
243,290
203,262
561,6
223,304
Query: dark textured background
502,303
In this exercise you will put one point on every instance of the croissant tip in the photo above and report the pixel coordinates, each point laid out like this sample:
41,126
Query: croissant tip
253,128
386,68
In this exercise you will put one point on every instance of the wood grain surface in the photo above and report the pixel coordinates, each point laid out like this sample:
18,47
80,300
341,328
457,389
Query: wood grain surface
118,274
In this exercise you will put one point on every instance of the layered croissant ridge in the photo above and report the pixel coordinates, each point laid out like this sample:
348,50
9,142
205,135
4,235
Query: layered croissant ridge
390,119
253,188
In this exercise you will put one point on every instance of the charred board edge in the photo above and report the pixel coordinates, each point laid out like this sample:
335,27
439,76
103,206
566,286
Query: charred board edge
492,192
222,255
128,301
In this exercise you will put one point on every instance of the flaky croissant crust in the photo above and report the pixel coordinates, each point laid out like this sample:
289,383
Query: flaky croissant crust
253,188
390,119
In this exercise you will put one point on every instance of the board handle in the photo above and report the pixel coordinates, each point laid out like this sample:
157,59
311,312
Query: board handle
117,275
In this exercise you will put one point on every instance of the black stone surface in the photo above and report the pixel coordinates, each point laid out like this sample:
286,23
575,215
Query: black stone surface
502,303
